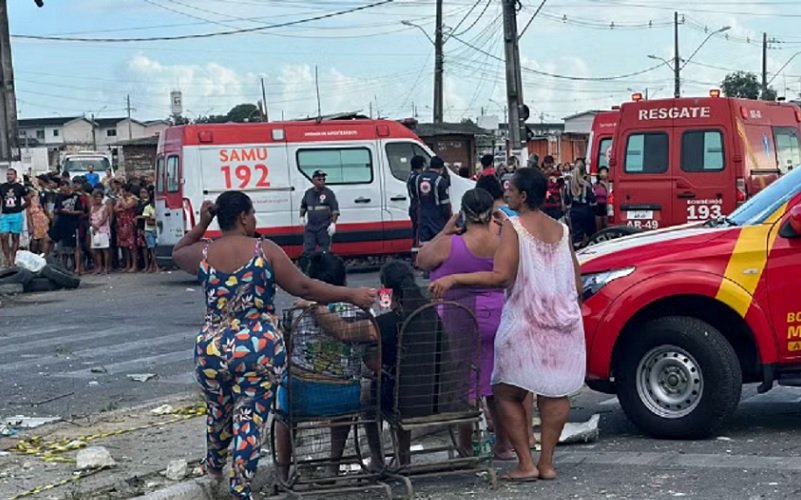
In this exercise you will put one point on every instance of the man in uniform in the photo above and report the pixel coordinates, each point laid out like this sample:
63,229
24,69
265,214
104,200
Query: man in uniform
322,208
417,163
435,203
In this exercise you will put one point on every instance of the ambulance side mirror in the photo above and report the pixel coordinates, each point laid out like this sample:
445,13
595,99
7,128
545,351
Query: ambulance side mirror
792,227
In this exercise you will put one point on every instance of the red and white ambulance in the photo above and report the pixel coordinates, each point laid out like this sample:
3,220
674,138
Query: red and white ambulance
692,159
367,163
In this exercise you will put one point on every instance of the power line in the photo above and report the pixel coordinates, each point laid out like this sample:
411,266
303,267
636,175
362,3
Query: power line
475,21
566,77
206,35
531,19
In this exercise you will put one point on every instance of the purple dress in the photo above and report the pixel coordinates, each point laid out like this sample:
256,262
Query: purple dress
485,303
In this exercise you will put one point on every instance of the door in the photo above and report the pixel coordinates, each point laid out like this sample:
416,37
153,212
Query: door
169,205
783,267
397,226
788,148
643,185
705,182
352,175
259,170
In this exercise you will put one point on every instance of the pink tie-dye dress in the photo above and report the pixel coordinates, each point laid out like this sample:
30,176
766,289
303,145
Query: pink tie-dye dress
540,342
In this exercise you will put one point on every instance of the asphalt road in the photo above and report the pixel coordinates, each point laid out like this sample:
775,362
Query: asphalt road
70,353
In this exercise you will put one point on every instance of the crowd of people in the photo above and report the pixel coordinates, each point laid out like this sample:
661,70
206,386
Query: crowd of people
91,224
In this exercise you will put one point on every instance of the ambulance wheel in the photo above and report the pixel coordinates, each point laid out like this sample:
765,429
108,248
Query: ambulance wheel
678,378
612,233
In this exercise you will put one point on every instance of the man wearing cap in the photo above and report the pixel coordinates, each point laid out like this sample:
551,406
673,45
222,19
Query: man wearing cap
434,201
322,208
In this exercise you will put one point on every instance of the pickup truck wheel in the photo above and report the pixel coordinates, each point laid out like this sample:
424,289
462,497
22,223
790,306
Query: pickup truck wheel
679,378
611,233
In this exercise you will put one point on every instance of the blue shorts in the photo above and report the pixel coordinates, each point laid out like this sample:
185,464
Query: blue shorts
11,223
150,239
319,399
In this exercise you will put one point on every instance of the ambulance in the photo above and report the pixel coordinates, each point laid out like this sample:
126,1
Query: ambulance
694,159
676,320
367,163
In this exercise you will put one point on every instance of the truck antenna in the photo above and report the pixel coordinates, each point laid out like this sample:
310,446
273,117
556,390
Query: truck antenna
317,88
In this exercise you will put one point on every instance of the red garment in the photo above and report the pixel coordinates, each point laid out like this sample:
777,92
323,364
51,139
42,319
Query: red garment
126,229
488,171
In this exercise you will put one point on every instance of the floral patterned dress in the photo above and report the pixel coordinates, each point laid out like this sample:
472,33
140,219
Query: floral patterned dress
239,358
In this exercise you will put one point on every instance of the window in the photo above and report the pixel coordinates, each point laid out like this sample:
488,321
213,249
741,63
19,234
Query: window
112,132
160,174
603,153
23,133
173,179
788,148
40,134
647,153
341,165
702,151
399,155
55,132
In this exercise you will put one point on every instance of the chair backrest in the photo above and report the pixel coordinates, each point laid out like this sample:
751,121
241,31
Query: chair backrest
438,361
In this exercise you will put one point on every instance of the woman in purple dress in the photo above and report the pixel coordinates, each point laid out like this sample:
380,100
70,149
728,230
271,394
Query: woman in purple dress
467,246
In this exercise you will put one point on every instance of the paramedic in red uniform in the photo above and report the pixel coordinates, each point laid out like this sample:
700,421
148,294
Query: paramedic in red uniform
434,201
322,208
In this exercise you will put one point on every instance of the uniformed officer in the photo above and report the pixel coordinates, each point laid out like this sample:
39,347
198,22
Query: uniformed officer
417,163
434,200
322,208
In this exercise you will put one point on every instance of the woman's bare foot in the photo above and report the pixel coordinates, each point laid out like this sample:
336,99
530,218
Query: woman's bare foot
504,455
518,474
547,472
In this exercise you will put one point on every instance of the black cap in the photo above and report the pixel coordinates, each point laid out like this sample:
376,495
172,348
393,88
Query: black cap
418,162
436,163
318,173
487,160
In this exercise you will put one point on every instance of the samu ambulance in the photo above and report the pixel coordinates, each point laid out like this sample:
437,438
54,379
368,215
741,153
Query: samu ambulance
677,320
367,163
697,158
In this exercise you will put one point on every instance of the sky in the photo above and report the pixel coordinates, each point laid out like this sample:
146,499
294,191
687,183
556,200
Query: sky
577,55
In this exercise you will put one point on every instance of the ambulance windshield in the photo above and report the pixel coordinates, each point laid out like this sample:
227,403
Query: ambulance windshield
770,199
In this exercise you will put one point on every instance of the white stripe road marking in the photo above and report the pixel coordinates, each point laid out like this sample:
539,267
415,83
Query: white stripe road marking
95,355
689,460
610,402
35,332
139,365
20,346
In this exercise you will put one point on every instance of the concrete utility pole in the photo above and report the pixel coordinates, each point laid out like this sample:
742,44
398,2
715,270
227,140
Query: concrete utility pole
264,114
514,79
438,63
676,58
764,95
9,135
129,109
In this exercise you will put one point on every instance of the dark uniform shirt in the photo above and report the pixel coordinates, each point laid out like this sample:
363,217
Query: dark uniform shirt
434,203
320,207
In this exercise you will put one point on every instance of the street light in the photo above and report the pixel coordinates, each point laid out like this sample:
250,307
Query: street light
503,107
784,66
412,25
676,67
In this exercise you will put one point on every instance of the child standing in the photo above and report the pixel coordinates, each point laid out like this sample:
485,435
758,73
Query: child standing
149,219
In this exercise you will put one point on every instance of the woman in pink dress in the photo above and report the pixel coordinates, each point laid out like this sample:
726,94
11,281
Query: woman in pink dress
472,251
539,347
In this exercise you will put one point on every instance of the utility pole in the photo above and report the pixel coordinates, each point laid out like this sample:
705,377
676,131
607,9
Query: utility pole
94,136
438,61
9,135
764,66
264,114
676,58
514,87
128,108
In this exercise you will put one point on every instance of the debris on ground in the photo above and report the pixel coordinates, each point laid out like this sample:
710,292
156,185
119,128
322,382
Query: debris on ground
163,410
176,470
141,377
23,422
94,457
581,432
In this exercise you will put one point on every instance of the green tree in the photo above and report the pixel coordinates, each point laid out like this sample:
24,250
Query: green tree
741,84
244,112
745,85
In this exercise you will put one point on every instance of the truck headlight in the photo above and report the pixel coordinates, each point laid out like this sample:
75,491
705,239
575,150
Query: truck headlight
592,283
